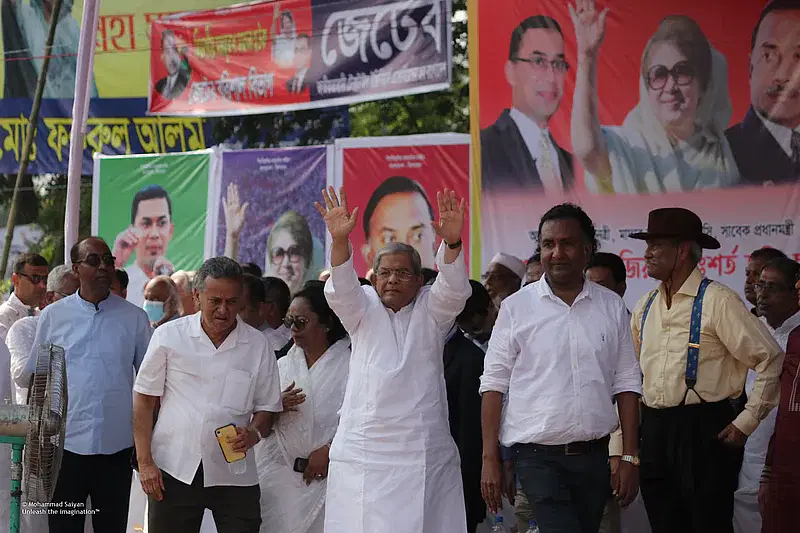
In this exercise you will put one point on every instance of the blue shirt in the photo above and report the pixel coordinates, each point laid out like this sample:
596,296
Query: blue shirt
102,345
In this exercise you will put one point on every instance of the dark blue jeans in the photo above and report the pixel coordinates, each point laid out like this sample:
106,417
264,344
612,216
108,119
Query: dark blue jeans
567,493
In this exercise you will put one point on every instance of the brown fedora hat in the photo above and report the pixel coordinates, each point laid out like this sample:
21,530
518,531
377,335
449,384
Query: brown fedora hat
676,223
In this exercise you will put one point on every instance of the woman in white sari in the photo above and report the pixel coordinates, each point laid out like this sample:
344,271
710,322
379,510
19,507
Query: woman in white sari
674,139
313,376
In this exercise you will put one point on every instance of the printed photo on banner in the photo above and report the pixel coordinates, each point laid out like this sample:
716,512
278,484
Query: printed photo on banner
594,101
395,187
123,28
151,210
266,213
297,54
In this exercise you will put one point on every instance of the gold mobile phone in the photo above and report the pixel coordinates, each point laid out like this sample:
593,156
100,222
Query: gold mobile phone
227,449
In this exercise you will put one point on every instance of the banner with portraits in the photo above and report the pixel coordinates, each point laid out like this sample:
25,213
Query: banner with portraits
284,55
152,212
627,106
265,214
394,181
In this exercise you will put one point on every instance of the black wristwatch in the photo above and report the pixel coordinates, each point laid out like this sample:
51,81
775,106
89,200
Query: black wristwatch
454,245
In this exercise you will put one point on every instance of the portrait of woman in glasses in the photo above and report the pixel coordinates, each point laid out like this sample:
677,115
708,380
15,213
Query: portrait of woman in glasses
674,138
292,461
290,251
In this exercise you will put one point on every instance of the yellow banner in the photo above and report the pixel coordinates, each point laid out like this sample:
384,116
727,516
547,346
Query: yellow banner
122,52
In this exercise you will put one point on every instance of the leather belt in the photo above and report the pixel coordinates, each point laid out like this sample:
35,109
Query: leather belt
573,448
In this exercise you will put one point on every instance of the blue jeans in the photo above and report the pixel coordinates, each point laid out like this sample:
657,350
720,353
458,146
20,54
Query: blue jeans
567,493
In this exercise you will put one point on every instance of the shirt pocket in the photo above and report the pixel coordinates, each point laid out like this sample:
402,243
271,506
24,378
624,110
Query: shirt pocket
237,391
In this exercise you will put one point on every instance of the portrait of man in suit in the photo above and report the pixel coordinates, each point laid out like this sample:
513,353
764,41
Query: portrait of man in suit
302,61
399,211
517,151
766,144
172,86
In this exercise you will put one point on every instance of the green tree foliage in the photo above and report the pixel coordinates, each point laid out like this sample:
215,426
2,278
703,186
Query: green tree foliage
52,205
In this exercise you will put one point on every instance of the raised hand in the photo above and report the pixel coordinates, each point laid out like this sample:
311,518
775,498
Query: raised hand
339,220
451,216
590,26
234,211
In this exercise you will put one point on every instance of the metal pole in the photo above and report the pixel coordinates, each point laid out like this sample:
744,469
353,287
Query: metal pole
16,486
29,136
80,110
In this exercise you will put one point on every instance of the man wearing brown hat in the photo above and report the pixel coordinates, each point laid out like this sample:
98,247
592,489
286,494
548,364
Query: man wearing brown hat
695,340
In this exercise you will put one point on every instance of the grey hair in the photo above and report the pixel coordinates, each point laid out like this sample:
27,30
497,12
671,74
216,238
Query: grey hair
184,278
695,253
217,268
174,297
399,248
57,278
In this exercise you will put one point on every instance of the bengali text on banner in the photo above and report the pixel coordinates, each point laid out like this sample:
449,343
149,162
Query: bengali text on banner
297,54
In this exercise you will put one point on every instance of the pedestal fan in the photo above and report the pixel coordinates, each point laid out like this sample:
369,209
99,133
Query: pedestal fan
39,429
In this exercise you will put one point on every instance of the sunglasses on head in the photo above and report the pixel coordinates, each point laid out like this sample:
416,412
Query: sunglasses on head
298,322
94,260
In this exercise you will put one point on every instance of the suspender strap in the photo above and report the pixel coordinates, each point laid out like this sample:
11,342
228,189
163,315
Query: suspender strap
647,306
693,352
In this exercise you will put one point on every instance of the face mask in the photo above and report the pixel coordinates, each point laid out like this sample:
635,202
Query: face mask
154,310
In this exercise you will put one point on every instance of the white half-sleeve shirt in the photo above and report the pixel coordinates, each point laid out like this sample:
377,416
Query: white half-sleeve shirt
203,388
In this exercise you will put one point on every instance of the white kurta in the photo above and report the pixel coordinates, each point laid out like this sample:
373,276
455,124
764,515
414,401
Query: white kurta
394,466
288,505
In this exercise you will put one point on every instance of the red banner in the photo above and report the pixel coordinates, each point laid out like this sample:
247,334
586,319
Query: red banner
693,104
394,187
297,54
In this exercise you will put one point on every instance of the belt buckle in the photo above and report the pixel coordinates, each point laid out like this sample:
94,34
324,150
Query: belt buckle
571,450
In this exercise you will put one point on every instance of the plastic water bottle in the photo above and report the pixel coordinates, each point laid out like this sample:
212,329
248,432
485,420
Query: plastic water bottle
498,526
532,527
238,467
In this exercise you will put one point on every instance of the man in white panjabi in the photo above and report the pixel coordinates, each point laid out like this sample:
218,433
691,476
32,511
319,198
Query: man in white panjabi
394,467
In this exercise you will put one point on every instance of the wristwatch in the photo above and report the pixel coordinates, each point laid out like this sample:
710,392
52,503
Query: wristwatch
454,245
632,459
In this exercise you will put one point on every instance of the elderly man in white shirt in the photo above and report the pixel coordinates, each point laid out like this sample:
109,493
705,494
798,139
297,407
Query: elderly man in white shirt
29,279
61,282
503,277
561,352
779,309
394,467
208,370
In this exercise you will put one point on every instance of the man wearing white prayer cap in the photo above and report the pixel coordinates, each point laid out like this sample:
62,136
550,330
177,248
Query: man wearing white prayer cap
504,276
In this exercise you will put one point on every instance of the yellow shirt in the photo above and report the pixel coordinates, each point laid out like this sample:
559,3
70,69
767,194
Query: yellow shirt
731,341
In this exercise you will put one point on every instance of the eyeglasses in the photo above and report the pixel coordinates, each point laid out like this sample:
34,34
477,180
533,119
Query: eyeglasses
488,276
658,75
772,287
542,65
401,274
298,323
35,279
94,260
295,254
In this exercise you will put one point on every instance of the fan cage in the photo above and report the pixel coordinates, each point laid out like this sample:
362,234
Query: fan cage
44,444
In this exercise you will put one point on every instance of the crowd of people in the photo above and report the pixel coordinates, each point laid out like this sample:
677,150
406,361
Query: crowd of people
418,400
